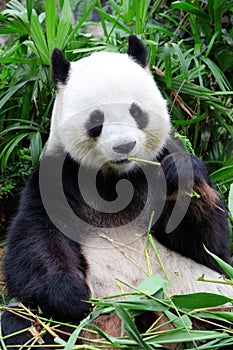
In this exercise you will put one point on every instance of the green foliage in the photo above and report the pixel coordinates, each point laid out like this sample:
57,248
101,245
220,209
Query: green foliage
181,311
230,201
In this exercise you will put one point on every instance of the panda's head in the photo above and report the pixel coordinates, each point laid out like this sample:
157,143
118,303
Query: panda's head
107,108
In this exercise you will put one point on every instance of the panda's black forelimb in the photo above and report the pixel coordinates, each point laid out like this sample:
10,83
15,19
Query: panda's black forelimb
42,266
205,221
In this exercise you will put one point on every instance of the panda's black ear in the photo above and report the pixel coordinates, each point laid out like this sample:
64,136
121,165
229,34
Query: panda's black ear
60,67
137,50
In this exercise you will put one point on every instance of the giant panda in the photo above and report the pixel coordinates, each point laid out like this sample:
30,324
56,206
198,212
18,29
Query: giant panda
84,213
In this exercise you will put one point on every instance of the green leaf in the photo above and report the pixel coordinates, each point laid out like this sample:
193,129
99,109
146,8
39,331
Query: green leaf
221,174
152,284
216,315
199,300
9,148
143,304
185,6
11,91
35,147
29,8
189,122
17,60
64,25
230,200
217,73
181,336
167,62
114,21
16,5
226,267
79,24
182,61
51,23
38,37
131,328
179,321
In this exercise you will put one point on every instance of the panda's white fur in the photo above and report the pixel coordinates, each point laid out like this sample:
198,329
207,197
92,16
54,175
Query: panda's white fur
111,82
122,257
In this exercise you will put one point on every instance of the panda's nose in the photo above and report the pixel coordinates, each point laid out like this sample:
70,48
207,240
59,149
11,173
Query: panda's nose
125,147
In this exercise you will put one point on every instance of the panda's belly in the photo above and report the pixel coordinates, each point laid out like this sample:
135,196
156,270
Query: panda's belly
121,258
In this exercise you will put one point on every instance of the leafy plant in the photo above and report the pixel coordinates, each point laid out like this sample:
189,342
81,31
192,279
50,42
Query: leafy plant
149,296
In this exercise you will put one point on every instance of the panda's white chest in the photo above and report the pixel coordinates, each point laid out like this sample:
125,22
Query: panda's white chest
113,259
117,261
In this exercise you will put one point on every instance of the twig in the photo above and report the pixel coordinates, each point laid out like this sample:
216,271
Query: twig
144,161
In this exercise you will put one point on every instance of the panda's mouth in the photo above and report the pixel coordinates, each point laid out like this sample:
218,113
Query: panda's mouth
120,161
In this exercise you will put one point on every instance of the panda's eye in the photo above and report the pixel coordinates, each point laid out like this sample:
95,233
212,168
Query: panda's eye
140,116
95,123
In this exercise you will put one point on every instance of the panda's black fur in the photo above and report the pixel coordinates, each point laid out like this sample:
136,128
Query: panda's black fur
45,268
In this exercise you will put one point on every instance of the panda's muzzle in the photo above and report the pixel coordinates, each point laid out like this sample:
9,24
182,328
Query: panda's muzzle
124,148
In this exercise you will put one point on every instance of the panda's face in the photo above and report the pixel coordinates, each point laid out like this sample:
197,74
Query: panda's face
110,109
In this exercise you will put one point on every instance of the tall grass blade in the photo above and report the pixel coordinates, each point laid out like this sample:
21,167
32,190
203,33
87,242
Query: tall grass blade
217,73
29,4
35,147
182,61
79,24
64,25
185,6
51,22
168,66
9,148
10,92
38,37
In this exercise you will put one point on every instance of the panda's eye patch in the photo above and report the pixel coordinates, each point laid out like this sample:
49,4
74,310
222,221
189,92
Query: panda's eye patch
140,116
95,123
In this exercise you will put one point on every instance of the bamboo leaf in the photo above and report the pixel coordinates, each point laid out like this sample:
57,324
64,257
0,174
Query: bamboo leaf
181,336
131,328
142,304
226,267
179,321
199,300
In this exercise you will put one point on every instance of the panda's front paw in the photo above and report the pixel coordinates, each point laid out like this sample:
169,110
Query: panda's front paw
186,175
65,298
183,172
